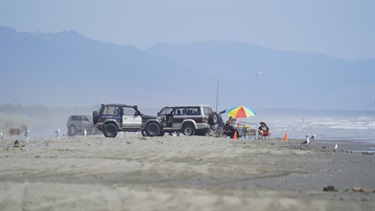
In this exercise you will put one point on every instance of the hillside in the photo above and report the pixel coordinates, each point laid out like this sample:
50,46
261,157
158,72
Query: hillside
288,79
68,69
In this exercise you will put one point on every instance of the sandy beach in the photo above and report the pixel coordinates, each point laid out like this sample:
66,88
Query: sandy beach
183,173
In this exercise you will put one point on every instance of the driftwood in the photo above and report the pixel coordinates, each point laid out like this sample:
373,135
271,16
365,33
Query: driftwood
364,190
18,130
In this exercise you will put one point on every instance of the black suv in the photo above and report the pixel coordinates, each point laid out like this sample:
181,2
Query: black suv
112,118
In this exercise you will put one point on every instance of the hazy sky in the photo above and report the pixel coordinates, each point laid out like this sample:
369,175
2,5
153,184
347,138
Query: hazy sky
340,28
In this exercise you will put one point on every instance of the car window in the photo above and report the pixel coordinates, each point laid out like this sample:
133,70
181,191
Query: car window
178,111
193,111
166,111
110,110
162,111
183,111
207,110
129,111
85,118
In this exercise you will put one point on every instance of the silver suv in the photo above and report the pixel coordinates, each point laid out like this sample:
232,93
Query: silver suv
188,119
80,125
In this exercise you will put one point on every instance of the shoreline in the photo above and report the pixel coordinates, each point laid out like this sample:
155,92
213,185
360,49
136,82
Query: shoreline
189,173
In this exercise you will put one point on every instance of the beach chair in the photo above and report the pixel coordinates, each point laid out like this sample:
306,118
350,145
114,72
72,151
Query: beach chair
247,130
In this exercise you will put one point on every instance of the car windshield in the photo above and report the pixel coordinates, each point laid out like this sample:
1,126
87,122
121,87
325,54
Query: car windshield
165,111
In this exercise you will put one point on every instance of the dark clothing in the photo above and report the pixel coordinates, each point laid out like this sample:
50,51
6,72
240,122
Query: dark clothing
220,122
229,131
169,119
264,129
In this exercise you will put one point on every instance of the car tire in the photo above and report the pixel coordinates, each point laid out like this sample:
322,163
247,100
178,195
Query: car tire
152,129
110,130
144,134
72,130
188,129
95,116
213,119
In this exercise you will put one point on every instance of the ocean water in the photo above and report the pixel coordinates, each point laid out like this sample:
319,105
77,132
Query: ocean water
358,126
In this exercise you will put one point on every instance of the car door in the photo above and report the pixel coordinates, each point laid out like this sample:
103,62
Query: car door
86,123
131,118
77,120
167,114
179,115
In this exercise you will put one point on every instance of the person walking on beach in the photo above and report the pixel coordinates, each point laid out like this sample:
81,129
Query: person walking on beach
264,131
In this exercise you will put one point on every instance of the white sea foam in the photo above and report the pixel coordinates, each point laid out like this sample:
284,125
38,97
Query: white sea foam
344,128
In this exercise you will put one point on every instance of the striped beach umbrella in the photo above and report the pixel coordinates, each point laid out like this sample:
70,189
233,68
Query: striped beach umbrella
240,112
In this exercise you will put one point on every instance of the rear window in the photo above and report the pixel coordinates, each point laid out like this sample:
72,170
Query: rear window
76,118
110,110
207,110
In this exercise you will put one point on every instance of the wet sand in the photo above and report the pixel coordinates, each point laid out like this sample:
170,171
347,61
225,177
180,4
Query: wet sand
183,173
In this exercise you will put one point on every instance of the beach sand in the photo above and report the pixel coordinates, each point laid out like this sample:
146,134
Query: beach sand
183,173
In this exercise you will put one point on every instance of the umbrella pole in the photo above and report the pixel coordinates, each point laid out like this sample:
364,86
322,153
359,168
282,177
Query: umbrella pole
217,92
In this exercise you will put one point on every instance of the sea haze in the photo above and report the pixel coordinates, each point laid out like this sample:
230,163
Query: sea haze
68,69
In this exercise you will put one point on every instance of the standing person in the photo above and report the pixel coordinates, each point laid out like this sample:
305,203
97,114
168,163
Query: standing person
264,131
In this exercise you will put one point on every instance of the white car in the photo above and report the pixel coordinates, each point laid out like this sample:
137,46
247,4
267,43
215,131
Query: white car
188,119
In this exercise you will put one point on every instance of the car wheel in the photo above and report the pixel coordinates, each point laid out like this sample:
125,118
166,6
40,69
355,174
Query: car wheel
213,118
144,134
152,129
72,130
188,129
95,116
110,130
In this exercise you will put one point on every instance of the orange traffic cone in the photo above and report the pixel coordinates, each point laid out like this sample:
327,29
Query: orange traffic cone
286,136
235,135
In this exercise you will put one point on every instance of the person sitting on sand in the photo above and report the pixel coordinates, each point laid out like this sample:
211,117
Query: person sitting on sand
229,130
264,131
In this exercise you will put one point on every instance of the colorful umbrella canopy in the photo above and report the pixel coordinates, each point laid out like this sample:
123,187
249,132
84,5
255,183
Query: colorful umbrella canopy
240,112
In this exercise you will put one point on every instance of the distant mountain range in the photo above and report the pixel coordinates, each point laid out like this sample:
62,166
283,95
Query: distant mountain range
67,69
